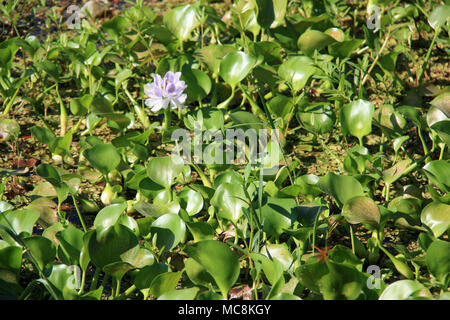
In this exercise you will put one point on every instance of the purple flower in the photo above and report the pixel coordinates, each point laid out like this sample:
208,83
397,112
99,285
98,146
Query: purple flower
165,92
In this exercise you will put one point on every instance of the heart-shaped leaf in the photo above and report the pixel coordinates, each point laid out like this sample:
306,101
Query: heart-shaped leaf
341,188
181,21
191,201
113,244
361,210
103,157
296,71
42,249
218,259
229,201
317,118
169,230
164,170
235,66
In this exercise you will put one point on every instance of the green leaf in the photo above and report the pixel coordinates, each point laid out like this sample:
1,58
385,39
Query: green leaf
212,55
10,260
20,221
442,128
169,230
235,67
281,252
201,230
63,281
273,269
356,118
115,26
438,172
335,281
229,201
164,282
404,289
113,244
70,245
341,188
345,48
278,214
109,215
245,120
361,210
438,261
81,106
317,118
146,275
439,16
436,217
265,13
218,259
50,174
312,40
182,20
164,170
296,71
280,106
42,249
103,157
191,201
117,269
198,83
5,57
181,294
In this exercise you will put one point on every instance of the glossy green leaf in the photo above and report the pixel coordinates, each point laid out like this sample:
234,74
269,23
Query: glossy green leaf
115,26
317,118
236,66
201,230
164,170
20,221
341,188
42,249
169,230
403,289
103,157
218,259
229,201
296,71
436,216
191,201
356,118
181,21
438,172
109,215
278,214
439,16
113,244
438,260
312,40
164,282
70,245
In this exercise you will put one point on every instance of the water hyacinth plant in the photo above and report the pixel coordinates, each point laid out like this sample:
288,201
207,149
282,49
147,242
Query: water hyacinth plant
166,94
339,115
